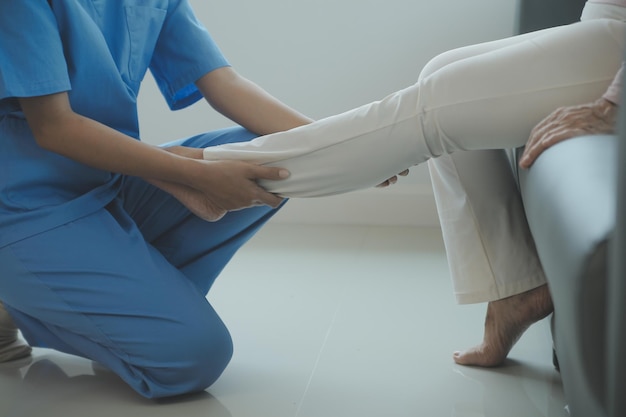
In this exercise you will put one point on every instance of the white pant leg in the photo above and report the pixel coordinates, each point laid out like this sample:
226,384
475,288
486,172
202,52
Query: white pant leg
487,101
491,253
490,250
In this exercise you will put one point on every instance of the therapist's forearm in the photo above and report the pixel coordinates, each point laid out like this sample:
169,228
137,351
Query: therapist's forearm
247,104
60,130
96,145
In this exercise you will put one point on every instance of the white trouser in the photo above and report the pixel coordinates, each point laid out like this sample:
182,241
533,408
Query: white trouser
489,99
490,250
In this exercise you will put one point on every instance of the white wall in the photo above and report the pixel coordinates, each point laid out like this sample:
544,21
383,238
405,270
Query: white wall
327,56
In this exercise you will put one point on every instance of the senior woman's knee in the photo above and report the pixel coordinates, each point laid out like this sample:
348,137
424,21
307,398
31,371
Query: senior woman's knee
440,61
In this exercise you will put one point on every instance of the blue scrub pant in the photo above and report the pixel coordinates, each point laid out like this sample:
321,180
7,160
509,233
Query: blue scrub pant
126,286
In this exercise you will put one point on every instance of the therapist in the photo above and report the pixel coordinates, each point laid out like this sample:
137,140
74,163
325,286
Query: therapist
104,248
108,245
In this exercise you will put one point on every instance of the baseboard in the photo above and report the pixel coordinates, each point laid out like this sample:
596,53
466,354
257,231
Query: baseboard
400,205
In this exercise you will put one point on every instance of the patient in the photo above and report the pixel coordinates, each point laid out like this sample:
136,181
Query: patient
489,96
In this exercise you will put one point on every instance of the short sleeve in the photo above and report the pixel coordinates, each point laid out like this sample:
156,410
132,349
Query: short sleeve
184,53
31,53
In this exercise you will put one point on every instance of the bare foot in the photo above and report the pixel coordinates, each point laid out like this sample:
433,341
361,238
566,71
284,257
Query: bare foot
11,348
506,321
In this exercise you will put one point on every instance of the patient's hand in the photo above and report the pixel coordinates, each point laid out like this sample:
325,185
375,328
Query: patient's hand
393,179
564,123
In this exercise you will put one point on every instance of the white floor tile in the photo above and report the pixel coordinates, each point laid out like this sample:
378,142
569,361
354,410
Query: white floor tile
327,321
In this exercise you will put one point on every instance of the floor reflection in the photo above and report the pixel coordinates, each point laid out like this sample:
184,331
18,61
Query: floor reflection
517,389
54,385
356,321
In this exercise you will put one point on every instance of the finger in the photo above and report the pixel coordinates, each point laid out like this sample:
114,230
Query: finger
539,138
269,173
404,173
532,152
533,149
527,155
268,199
543,129
390,181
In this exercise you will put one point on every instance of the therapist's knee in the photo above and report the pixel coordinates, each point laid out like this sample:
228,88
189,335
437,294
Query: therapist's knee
189,361
210,356
204,357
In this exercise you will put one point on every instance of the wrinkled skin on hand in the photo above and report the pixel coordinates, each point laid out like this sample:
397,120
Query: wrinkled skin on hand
393,180
598,117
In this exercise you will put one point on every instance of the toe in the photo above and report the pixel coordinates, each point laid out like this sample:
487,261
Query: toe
478,356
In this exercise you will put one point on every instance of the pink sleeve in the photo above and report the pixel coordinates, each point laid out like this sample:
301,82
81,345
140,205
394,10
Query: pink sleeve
613,94
621,3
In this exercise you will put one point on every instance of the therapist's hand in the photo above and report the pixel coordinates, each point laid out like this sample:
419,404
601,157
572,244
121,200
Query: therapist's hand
232,185
217,187
195,201
598,117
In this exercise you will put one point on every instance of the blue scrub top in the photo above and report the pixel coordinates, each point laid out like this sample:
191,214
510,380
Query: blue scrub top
98,51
